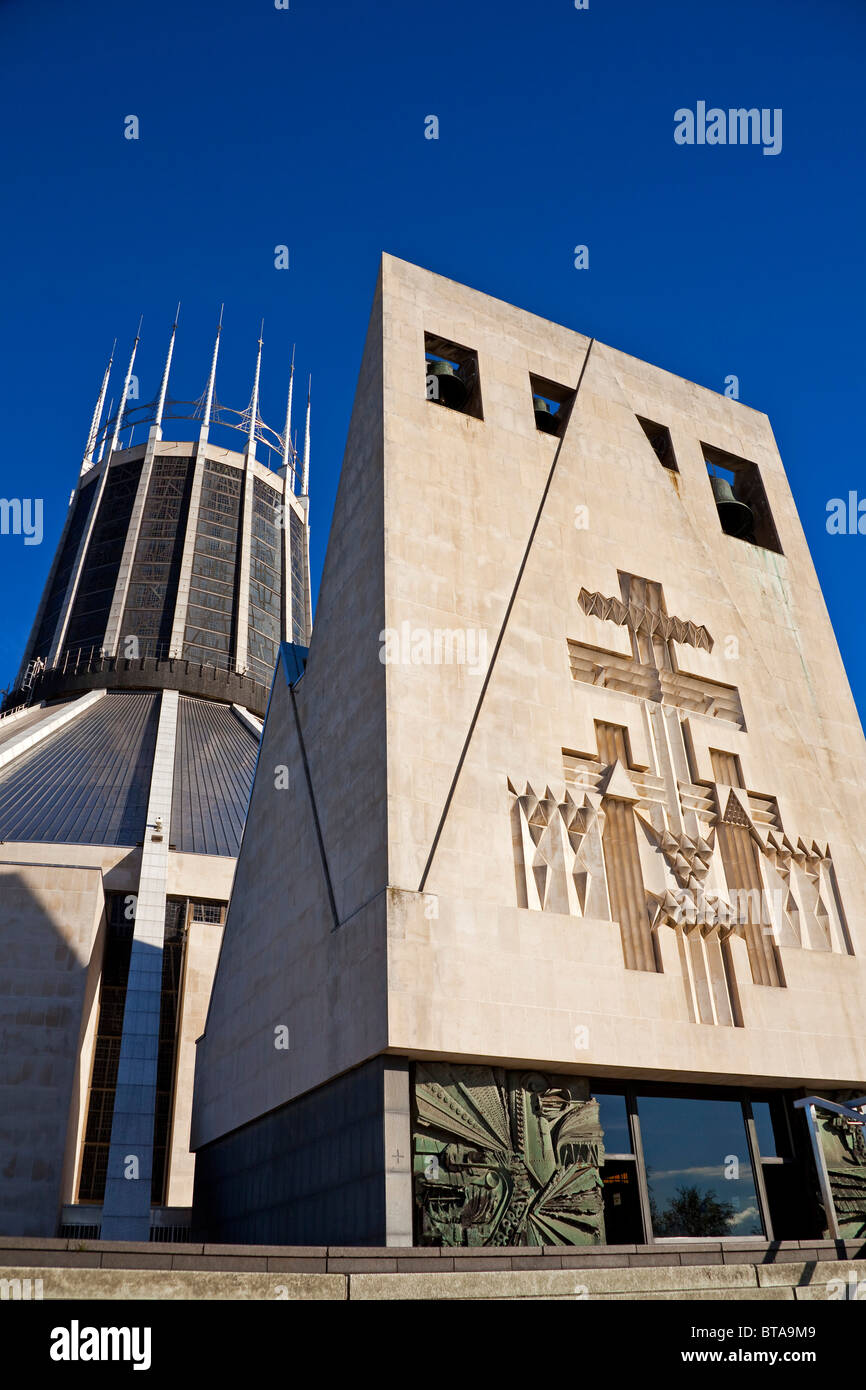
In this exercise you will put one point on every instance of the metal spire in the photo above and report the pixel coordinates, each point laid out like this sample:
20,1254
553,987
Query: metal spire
212,378
305,477
164,387
125,392
102,444
97,414
287,441
254,404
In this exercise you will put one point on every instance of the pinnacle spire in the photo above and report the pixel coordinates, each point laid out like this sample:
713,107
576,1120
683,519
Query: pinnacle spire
305,477
287,441
119,421
97,414
164,386
212,378
254,403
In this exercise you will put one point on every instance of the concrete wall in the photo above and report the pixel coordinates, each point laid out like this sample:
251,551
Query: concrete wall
51,954
48,984
317,1170
202,953
470,974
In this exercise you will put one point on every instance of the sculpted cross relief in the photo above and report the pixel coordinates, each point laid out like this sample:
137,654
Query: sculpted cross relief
650,848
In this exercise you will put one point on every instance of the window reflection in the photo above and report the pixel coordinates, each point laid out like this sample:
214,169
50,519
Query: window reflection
764,1128
613,1118
699,1172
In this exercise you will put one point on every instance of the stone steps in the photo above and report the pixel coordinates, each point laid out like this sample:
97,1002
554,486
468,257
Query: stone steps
793,1280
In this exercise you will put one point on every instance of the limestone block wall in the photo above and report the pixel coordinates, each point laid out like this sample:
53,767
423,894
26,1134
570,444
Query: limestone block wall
469,974
202,952
49,961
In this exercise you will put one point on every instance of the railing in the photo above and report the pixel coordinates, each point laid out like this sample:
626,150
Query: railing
157,665
16,709
94,659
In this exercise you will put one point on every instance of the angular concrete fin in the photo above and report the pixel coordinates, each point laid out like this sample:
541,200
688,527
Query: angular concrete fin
341,697
281,914
618,783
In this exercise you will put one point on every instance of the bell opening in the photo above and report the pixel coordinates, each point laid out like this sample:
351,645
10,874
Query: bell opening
736,516
659,437
741,498
546,414
550,404
451,374
445,384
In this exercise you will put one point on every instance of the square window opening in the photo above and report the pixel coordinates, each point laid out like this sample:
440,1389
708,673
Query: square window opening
740,498
551,404
452,376
659,437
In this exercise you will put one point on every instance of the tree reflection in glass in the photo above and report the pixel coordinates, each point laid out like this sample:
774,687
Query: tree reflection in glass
699,1172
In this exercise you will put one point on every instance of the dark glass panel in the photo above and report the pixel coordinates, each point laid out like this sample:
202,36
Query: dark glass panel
622,1216
89,617
699,1172
169,1017
63,572
103,1081
764,1127
613,1117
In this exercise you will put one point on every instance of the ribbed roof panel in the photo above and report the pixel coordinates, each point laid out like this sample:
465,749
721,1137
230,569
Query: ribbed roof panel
214,762
88,783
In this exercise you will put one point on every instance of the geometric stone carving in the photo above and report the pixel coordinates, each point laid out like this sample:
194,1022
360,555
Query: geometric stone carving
645,619
740,846
650,673
688,856
697,694
505,1157
558,857
736,813
650,850
560,866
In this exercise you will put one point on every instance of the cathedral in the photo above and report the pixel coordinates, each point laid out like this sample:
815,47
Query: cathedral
519,903
127,750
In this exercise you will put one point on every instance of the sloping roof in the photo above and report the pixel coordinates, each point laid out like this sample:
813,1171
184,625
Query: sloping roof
87,783
214,762
11,727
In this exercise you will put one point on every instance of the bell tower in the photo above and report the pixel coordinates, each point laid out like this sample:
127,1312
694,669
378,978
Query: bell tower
575,923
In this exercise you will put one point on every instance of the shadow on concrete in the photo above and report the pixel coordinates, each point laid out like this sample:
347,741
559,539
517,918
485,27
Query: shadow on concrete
47,995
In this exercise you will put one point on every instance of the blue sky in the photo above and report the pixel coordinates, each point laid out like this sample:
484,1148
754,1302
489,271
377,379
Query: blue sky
305,127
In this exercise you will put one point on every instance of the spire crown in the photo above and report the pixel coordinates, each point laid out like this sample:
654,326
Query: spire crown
305,478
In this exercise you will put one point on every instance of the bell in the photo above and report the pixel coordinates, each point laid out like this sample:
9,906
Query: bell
449,388
544,417
737,519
